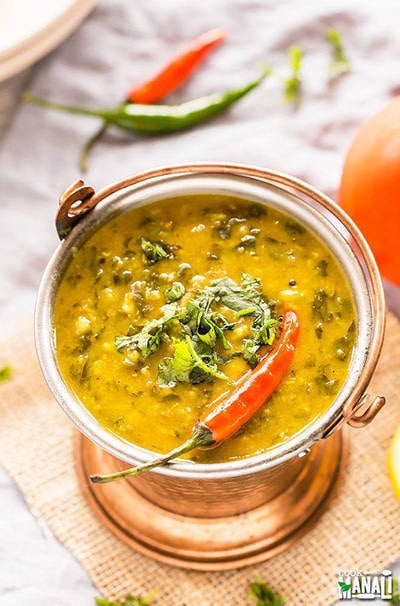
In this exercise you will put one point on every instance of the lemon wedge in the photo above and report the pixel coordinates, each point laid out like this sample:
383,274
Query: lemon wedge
394,462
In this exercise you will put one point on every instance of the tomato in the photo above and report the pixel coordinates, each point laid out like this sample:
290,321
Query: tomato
370,186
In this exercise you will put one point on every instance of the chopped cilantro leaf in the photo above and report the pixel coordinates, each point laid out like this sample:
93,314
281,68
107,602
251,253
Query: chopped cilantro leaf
155,251
247,299
148,339
186,366
174,292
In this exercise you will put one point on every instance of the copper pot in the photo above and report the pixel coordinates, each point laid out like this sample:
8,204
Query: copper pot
293,478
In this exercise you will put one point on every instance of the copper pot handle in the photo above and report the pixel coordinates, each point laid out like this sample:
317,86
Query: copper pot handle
364,411
357,415
74,202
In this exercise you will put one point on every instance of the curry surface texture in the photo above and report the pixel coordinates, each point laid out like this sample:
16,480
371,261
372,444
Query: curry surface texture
110,288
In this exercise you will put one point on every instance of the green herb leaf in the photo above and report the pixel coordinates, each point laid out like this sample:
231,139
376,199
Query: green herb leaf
238,298
5,373
320,305
322,268
207,326
344,586
220,324
247,299
224,226
294,228
128,601
319,330
395,601
149,338
326,307
230,356
187,366
326,383
344,345
250,349
175,292
155,251
340,64
292,85
265,595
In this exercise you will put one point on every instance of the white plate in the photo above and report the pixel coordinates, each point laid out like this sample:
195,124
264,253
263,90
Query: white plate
31,28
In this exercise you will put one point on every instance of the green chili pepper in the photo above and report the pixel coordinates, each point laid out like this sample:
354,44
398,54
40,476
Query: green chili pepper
159,119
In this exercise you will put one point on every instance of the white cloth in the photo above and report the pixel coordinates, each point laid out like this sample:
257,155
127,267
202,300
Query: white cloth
120,43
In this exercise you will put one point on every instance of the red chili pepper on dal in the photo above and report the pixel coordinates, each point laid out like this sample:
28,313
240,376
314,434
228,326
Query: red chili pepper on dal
232,410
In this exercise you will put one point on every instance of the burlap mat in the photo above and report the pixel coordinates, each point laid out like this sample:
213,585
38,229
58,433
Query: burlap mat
359,530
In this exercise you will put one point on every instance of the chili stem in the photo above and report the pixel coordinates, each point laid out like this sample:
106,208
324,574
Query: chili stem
60,106
201,437
87,148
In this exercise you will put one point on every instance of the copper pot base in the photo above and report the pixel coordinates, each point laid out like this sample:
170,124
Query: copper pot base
207,543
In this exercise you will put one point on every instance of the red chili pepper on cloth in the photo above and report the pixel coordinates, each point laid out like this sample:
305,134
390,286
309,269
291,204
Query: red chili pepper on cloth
165,81
178,69
232,410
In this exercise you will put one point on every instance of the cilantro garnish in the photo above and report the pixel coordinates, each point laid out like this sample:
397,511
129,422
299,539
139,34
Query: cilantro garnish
155,251
203,329
188,365
247,299
148,339
174,292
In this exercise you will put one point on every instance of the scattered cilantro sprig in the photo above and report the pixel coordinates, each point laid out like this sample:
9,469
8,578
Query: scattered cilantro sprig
259,590
292,85
265,595
395,600
128,601
5,373
340,64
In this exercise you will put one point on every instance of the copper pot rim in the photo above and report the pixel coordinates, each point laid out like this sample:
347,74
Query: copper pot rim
297,444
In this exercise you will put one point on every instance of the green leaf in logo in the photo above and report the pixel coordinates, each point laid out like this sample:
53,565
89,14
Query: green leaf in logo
344,586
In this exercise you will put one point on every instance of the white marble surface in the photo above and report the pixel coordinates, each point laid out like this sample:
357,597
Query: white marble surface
123,41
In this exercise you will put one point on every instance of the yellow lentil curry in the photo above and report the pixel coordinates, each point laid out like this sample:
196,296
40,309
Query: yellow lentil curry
164,307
